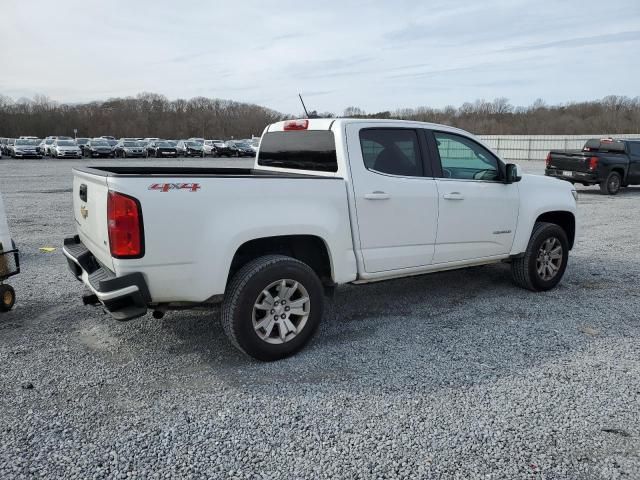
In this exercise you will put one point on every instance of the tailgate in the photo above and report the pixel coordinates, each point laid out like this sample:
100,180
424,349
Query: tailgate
90,213
574,162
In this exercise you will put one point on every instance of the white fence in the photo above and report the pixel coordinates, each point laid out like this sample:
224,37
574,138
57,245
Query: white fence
536,147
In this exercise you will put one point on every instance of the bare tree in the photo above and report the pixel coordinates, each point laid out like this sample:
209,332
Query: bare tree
154,115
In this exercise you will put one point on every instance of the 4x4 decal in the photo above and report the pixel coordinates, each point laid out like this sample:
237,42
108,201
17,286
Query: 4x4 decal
166,187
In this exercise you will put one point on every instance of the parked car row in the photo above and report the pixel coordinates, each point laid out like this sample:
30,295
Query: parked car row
106,146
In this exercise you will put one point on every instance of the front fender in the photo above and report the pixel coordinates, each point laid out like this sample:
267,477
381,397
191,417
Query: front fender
540,195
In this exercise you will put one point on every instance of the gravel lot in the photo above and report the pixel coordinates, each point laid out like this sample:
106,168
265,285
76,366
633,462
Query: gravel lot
452,375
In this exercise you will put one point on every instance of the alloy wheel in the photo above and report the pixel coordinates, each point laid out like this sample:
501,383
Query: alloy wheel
281,311
549,259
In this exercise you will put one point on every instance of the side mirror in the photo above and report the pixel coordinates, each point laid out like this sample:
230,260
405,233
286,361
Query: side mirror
512,173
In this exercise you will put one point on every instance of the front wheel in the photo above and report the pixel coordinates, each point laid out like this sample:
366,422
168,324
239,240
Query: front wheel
543,264
7,298
272,307
611,185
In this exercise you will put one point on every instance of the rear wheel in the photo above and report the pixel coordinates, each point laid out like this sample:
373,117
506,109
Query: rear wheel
272,307
545,260
7,298
611,185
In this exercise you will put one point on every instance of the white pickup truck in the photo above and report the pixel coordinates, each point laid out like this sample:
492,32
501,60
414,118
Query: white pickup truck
328,202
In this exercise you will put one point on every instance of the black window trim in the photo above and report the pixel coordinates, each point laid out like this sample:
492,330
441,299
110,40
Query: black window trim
437,162
423,152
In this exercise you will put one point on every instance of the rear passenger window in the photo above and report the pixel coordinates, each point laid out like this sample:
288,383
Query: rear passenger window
394,151
635,148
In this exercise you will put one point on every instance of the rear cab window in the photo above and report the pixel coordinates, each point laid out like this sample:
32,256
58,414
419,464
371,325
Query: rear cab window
604,145
312,150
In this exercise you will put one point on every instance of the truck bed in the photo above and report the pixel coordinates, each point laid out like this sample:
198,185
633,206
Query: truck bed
191,172
573,160
197,217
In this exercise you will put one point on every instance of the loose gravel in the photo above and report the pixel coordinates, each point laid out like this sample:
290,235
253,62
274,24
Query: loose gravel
451,375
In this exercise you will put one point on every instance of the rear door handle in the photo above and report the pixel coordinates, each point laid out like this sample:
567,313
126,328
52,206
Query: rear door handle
377,195
453,196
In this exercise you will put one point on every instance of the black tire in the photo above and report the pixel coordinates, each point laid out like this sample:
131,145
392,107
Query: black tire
244,290
611,186
7,298
524,270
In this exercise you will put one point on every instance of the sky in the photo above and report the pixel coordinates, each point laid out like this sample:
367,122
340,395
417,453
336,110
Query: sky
376,55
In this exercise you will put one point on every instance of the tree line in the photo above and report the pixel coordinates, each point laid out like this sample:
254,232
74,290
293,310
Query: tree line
612,114
153,115
146,115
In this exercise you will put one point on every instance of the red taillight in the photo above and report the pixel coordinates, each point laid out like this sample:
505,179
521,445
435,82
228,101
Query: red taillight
593,163
548,160
124,220
296,124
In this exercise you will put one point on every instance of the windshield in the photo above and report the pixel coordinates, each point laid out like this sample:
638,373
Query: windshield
23,141
82,141
132,144
65,143
242,145
192,144
163,144
100,143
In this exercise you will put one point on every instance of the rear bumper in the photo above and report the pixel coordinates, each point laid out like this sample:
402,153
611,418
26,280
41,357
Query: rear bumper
123,297
572,176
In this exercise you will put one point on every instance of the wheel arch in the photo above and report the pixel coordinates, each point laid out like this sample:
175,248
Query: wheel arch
309,249
620,170
564,219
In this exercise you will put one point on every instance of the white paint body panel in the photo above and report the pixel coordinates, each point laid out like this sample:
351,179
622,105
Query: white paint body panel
397,216
477,220
191,237
538,195
93,230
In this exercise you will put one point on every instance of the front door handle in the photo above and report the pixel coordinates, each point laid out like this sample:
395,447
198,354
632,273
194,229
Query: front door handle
377,195
453,196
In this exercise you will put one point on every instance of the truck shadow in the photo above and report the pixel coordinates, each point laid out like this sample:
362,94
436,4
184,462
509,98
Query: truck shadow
464,326
625,191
